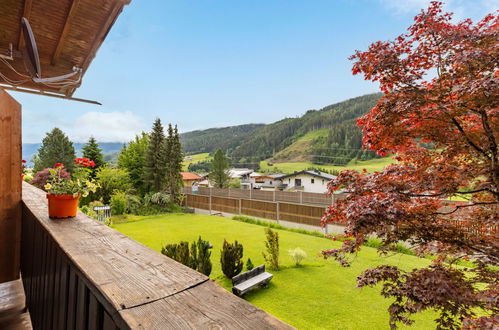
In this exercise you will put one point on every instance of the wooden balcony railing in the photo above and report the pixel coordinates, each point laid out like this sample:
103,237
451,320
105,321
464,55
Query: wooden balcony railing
79,274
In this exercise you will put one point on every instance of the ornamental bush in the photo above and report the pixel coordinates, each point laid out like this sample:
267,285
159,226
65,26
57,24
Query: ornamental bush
119,203
249,265
200,256
41,177
297,255
231,259
272,247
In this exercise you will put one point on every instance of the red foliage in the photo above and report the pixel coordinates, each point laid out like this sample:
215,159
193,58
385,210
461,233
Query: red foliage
440,84
41,177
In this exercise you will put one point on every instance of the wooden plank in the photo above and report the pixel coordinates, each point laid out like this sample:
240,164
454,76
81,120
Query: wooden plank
206,306
65,30
95,313
81,306
108,323
72,296
19,322
26,13
11,298
10,187
63,293
124,271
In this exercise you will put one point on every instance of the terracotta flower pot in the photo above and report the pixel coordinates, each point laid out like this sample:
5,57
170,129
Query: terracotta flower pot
62,206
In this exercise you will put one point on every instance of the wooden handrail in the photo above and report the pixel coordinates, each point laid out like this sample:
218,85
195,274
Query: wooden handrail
80,274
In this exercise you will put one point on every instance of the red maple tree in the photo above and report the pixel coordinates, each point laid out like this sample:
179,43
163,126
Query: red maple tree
439,115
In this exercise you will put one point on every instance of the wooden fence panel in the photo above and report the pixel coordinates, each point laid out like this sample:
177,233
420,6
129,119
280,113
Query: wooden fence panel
204,191
315,198
267,210
222,204
263,195
239,193
198,201
287,196
304,214
220,192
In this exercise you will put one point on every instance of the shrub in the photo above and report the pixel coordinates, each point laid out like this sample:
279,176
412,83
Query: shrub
178,252
118,203
297,255
249,264
41,177
111,179
159,198
272,246
200,256
231,259
133,203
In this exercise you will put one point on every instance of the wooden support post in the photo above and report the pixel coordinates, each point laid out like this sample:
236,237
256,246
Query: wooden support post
10,187
240,206
210,202
277,207
273,196
301,197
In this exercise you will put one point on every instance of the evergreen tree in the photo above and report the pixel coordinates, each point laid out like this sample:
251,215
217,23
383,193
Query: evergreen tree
56,148
92,151
174,164
133,158
155,165
219,170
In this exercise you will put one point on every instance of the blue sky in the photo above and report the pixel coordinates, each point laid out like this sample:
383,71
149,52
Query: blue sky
207,63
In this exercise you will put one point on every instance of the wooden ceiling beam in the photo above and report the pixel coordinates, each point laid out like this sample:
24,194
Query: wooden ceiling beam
65,31
26,13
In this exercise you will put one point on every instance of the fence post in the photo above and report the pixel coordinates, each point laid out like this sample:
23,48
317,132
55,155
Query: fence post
186,200
240,206
273,196
301,197
251,193
278,216
210,201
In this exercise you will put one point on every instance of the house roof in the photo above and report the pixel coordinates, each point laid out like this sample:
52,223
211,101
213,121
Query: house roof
68,34
315,173
239,172
190,176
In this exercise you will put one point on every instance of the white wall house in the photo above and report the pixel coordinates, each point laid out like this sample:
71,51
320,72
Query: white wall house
267,181
307,181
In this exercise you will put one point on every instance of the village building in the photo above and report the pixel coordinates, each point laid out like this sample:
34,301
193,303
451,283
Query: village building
307,181
190,178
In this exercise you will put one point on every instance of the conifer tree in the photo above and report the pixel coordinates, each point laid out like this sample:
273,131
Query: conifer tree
92,151
56,148
174,164
155,165
219,170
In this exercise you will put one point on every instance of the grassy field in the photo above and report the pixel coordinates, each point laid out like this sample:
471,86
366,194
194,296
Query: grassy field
370,165
192,159
318,295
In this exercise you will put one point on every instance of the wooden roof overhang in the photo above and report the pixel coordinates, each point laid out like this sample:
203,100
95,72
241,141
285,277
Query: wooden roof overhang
68,34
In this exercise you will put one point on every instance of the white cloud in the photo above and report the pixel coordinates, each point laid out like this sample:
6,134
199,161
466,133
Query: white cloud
474,9
106,126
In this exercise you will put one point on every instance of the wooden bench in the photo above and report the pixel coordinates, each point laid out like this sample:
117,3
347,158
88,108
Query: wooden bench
245,282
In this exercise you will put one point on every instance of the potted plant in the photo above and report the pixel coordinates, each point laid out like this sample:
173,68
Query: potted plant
63,193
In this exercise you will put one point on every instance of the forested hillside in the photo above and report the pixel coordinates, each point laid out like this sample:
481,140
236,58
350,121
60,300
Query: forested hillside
209,140
337,139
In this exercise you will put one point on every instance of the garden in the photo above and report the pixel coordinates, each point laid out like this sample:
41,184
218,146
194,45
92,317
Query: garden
317,294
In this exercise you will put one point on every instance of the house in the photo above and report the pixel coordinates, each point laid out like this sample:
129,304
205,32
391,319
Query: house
189,178
243,175
268,181
308,181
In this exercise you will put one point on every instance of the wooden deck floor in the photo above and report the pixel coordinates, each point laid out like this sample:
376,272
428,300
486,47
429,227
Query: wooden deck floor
13,315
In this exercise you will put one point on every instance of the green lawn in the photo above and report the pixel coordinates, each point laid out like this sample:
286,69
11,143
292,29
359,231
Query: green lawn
193,159
370,165
319,295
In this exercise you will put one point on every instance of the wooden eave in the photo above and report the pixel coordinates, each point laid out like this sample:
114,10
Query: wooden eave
68,34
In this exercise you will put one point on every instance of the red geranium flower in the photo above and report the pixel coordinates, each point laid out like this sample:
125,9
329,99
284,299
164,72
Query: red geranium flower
24,162
57,165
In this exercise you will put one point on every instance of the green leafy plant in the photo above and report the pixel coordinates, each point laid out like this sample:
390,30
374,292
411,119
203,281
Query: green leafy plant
231,259
119,203
272,247
200,256
249,265
297,255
